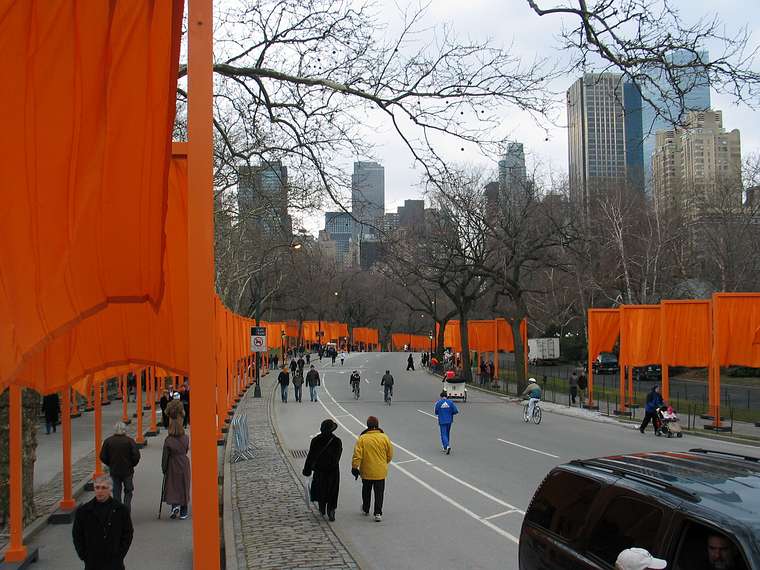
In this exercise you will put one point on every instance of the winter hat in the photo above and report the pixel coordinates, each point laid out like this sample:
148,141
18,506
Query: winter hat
328,426
175,396
638,559
373,422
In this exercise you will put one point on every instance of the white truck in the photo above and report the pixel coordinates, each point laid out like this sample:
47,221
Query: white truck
543,350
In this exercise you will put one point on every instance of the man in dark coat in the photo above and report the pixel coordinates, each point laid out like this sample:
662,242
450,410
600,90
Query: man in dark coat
102,530
283,378
120,454
184,395
51,406
313,382
654,401
163,402
410,363
323,460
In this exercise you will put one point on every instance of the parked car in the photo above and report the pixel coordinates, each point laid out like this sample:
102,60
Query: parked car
606,363
671,503
650,373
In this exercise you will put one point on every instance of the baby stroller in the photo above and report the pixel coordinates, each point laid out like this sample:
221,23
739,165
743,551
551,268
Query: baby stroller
669,423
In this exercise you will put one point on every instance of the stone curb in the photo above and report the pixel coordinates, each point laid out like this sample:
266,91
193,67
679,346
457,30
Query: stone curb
346,544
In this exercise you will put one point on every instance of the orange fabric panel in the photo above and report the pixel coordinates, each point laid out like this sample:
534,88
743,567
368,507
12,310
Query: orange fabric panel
685,333
291,329
127,333
737,326
274,334
505,337
603,331
399,340
451,336
640,334
482,335
87,104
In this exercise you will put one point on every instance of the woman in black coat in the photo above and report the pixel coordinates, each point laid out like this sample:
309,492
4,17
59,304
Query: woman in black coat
323,458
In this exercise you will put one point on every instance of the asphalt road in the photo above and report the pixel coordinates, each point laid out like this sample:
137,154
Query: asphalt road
462,510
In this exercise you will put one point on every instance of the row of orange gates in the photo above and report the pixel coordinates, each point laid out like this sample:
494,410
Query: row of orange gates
713,333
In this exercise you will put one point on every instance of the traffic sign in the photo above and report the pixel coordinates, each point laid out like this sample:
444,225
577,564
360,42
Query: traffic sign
258,339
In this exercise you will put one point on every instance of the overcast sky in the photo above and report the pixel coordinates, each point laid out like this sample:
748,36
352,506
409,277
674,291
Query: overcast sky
512,23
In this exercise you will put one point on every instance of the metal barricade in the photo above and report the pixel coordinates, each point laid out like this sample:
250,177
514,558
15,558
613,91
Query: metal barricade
243,448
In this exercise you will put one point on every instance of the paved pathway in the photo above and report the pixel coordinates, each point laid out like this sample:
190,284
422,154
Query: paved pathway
274,526
165,543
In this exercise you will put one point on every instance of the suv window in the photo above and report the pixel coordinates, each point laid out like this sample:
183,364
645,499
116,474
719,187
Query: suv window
706,547
562,503
626,522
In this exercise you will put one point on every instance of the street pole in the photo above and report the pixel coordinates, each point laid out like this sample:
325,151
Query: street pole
257,387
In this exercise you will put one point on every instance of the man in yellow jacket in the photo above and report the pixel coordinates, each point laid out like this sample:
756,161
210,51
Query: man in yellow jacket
372,454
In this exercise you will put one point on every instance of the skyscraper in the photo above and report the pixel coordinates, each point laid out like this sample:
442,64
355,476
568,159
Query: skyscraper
263,198
340,226
604,115
512,174
666,112
698,165
367,196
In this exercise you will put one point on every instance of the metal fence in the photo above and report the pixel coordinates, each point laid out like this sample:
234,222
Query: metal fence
243,448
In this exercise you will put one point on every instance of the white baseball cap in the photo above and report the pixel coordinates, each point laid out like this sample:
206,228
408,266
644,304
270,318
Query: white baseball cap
638,559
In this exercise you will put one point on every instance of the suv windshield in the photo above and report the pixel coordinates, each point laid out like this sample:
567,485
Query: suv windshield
607,357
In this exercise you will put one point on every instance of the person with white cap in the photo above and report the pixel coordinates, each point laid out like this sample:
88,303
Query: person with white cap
638,559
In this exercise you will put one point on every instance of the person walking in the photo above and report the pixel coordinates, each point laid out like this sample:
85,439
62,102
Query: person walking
121,455
582,387
387,383
342,357
491,372
175,410
372,454
573,385
410,362
51,407
483,373
184,396
163,403
313,382
175,466
323,460
283,378
654,401
293,364
298,385
102,530
301,363
445,409
308,358
333,355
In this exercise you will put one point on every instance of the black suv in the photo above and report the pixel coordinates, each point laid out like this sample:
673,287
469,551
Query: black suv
674,504
606,363
650,373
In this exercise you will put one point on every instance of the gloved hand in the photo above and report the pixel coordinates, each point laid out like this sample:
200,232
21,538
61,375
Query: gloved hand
355,473
306,472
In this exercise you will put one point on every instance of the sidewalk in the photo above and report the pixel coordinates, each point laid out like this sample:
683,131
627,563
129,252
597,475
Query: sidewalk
273,526
165,543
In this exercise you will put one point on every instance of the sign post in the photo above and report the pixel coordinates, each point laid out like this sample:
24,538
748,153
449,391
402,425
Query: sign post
258,345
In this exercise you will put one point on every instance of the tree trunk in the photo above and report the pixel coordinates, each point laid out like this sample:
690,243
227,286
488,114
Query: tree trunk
441,340
30,411
465,336
514,323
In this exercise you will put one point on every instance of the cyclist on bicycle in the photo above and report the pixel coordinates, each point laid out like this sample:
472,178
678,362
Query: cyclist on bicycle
387,384
533,392
354,382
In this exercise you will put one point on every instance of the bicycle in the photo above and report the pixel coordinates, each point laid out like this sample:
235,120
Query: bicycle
355,389
388,395
536,413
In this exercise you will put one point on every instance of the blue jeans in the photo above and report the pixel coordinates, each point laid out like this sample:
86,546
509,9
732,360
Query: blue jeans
284,392
297,391
129,487
445,431
314,393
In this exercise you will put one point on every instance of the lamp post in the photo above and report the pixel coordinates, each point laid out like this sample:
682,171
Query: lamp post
282,346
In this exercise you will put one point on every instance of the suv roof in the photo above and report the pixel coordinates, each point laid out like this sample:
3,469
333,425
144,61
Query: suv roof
723,483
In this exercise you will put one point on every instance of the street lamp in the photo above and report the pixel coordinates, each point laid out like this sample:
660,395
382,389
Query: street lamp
282,346
430,336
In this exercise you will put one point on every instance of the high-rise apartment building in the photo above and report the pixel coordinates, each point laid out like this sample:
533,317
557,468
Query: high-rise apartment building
512,173
664,107
411,214
367,196
604,115
698,166
340,227
263,198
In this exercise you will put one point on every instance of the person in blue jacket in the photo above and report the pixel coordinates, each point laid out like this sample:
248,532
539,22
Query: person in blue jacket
445,410
654,401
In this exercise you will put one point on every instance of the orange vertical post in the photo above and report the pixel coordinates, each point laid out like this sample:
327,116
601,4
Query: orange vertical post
68,502
124,398
496,350
90,389
630,385
98,433
75,405
16,551
153,430
621,404
139,436
713,370
590,365
200,206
